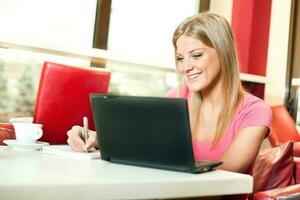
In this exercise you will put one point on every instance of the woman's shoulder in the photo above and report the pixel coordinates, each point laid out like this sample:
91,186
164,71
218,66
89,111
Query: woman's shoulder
250,99
253,111
251,103
174,92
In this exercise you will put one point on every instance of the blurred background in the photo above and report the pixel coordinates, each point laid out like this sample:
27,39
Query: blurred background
132,38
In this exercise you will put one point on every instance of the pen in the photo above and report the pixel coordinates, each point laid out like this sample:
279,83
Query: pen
85,131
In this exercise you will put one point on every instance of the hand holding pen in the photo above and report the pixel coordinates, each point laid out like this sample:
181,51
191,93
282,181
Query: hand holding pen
80,139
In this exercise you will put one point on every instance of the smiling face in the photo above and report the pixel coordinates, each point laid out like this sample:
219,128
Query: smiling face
198,64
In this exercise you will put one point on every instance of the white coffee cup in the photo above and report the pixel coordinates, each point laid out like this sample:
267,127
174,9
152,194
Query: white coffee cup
27,132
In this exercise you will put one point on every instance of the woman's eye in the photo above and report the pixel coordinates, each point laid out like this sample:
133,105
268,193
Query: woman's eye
197,55
179,59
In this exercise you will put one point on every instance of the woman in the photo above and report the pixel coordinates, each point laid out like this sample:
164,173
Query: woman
227,123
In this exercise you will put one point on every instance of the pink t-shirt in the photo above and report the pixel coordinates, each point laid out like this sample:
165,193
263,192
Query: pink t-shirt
251,112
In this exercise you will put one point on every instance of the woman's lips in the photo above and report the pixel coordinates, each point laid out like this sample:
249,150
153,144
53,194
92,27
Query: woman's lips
193,77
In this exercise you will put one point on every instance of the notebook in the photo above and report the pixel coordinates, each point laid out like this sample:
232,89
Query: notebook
66,151
63,98
146,131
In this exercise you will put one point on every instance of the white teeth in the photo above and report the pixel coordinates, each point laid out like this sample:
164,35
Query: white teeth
194,76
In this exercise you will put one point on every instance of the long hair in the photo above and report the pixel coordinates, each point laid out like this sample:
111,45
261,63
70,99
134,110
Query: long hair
215,32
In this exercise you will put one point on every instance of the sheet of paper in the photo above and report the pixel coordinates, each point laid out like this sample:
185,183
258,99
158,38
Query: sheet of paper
65,150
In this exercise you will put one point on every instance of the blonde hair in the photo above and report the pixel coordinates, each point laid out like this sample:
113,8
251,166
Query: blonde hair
215,32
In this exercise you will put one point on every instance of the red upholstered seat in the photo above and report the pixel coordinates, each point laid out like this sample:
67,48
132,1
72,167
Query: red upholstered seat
297,169
274,174
273,168
63,98
297,148
291,192
284,129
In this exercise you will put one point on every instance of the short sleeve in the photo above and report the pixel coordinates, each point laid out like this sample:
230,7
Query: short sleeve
172,93
254,112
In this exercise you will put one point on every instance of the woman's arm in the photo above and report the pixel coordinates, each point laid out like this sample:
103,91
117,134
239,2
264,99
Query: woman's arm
244,149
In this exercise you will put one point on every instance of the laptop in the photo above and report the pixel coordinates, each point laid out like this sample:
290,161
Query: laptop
63,98
146,131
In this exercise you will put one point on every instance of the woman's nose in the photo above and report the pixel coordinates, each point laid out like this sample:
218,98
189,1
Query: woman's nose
188,65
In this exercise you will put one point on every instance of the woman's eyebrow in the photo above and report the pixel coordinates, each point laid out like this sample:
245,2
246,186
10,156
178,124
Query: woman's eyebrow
191,51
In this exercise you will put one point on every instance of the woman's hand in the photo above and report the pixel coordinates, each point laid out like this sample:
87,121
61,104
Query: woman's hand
76,141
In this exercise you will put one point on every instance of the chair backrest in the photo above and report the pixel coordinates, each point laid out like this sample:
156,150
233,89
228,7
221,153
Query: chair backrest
283,127
63,98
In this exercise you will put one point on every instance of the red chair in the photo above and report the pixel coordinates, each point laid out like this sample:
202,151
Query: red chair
63,98
287,193
283,181
274,167
274,174
284,129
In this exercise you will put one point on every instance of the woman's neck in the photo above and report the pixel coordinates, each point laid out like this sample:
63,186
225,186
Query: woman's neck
213,96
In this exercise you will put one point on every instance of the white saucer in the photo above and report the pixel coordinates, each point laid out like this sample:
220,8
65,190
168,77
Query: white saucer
25,146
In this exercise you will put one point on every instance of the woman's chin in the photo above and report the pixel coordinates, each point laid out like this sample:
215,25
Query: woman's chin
194,88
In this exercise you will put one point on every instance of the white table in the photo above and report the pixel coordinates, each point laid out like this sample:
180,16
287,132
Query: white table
35,175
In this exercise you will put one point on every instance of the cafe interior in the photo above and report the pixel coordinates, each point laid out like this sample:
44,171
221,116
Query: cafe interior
131,41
